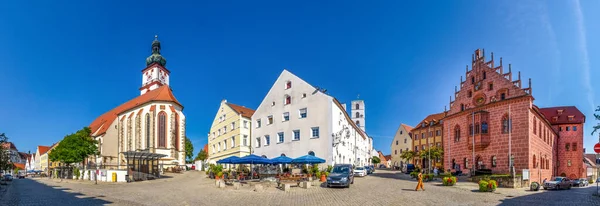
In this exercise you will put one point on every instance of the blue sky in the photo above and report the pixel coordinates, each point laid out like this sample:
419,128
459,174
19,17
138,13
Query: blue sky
65,63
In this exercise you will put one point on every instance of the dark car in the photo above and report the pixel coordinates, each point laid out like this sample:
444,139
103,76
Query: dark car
410,168
8,177
340,176
369,170
581,182
558,183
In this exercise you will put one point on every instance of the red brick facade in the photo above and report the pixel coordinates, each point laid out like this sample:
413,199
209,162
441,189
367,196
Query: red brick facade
481,111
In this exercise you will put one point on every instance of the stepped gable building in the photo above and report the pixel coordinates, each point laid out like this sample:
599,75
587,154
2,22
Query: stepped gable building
427,134
493,118
152,122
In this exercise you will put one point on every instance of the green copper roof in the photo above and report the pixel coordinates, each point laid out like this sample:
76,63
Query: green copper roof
155,57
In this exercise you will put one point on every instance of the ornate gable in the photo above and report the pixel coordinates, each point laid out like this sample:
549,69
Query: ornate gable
486,83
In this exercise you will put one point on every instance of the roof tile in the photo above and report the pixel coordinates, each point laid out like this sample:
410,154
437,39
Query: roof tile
162,93
245,112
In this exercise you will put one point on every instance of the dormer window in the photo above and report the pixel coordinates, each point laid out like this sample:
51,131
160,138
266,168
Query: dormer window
554,119
571,118
560,111
288,84
423,124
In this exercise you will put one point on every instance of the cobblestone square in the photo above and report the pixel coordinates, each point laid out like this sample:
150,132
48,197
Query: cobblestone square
193,188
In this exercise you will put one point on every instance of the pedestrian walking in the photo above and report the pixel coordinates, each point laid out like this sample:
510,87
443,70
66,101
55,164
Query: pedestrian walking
420,181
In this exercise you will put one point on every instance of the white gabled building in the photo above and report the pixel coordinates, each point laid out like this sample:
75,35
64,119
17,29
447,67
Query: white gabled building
296,119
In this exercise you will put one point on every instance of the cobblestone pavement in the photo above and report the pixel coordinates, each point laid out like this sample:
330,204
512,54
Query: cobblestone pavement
193,188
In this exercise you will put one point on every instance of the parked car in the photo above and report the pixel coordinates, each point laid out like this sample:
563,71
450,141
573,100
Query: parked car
8,177
581,182
341,175
372,168
410,168
369,170
360,171
21,175
558,183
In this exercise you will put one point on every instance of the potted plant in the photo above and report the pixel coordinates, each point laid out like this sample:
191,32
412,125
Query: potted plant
219,175
449,181
492,185
535,186
483,186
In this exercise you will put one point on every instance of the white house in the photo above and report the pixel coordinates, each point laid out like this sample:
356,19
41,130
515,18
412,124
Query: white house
295,119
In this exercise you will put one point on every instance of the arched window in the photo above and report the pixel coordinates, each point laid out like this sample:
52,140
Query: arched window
484,76
473,80
484,127
357,122
288,99
263,156
357,106
162,129
282,155
147,130
129,138
470,129
462,107
311,153
534,126
357,115
505,124
176,138
494,161
457,134
534,162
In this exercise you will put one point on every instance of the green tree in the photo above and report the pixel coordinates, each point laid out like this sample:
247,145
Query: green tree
375,160
189,150
202,156
74,148
408,155
5,163
597,116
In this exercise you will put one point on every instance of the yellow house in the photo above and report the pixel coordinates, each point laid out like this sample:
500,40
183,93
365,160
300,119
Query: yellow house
51,164
230,132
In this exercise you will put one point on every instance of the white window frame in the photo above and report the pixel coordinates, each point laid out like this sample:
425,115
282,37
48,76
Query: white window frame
280,137
232,141
305,113
294,135
312,132
258,123
270,120
245,140
286,114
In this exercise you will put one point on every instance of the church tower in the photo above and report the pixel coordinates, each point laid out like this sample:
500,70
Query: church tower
357,109
155,74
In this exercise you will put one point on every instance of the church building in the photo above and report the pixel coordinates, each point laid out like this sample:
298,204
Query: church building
152,123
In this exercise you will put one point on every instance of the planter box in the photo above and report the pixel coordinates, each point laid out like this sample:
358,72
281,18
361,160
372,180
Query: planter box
505,182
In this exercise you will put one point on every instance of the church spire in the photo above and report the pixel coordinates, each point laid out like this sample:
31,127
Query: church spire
155,57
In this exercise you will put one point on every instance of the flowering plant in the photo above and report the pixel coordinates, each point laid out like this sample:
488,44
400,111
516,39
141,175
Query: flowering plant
449,181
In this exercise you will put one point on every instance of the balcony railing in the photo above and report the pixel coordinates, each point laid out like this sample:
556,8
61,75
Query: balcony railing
482,141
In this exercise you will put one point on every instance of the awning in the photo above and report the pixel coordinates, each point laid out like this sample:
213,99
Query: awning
142,155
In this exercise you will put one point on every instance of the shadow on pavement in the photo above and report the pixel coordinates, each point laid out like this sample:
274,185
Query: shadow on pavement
394,175
30,192
575,196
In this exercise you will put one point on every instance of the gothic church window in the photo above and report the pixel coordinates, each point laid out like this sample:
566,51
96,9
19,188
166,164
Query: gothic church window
147,130
357,106
162,129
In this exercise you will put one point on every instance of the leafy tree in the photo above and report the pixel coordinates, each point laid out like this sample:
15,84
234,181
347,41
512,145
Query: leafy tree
74,148
408,155
375,160
189,150
202,156
5,163
597,116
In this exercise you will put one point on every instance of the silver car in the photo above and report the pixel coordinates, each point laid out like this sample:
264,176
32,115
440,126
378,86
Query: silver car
558,183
